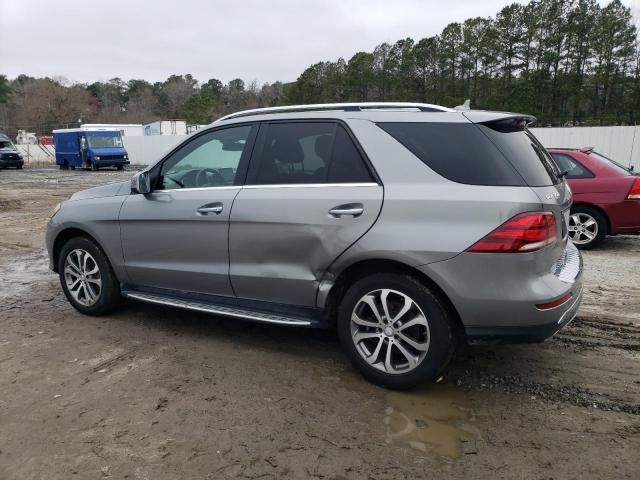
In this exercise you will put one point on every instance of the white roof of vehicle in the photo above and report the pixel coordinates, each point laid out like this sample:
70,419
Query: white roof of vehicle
86,129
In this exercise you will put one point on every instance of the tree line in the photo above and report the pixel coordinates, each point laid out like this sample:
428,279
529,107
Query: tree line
568,62
42,104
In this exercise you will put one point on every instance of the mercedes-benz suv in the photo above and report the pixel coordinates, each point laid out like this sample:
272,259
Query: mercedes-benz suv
406,226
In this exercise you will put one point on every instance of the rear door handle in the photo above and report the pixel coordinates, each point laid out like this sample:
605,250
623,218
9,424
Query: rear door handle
210,208
349,209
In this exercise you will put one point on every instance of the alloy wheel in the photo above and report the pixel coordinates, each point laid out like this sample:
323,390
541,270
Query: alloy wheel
82,277
390,331
583,228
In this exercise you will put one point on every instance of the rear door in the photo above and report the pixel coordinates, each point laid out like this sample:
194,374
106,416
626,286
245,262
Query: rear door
310,195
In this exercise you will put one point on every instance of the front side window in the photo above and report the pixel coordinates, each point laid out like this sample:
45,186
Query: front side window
210,160
303,153
104,142
569,165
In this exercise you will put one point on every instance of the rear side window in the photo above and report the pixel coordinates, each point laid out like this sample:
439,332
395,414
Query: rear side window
573,168
301,153
457,151
524,151
347,165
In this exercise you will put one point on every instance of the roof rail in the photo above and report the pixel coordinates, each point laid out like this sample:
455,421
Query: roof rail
345,107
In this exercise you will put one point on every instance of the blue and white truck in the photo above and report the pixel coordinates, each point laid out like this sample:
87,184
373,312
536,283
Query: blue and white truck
89,148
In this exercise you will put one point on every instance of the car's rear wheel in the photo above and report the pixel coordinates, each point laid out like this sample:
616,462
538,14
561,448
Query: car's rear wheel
587,227
87,278
396,331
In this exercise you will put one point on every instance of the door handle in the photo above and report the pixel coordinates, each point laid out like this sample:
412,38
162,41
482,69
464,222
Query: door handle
350,209
210,208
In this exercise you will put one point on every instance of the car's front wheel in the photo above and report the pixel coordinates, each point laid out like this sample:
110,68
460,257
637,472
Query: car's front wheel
87,278
397,331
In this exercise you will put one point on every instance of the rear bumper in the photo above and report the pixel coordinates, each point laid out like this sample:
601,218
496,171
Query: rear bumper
530,334
496,296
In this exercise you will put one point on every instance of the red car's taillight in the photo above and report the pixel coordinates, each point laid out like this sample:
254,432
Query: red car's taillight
524,233
634,193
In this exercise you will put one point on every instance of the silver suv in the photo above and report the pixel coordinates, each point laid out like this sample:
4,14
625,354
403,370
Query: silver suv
407,226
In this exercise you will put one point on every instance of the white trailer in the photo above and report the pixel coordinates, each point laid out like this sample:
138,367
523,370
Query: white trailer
126,129
166,127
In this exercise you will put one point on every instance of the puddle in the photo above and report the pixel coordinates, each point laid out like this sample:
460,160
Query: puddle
20,273
433,420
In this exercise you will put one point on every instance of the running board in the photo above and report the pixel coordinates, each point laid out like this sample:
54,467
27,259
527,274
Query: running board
216,309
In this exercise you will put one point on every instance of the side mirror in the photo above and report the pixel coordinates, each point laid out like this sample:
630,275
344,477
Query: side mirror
140,183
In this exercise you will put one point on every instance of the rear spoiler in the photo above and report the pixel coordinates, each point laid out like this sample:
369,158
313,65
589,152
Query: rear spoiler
481,116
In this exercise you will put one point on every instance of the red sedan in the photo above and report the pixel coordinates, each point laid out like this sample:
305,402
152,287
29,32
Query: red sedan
606,195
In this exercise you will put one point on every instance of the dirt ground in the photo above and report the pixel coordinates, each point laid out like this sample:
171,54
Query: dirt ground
154,393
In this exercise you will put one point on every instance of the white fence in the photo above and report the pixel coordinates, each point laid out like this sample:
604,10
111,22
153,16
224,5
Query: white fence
148,149
141,150
37,153
621,144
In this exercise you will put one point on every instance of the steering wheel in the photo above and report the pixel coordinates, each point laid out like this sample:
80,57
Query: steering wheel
203,181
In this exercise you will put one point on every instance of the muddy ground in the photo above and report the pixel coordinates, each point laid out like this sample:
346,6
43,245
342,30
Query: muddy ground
154,393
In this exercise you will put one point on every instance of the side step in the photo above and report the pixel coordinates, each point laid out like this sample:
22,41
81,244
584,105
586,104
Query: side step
217,309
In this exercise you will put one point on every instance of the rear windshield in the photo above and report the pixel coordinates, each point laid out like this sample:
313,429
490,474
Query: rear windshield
457,151
524,151
611,163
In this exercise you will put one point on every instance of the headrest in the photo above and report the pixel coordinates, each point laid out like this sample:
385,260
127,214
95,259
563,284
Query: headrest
285,151
323,142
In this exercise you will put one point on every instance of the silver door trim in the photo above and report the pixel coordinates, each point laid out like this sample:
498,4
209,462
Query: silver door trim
312,185
195,189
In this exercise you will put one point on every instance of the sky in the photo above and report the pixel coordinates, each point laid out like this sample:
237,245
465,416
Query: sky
268,40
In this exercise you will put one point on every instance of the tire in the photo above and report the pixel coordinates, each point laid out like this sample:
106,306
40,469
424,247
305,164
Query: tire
73,167
19,167
64,166
94,167
587,227
433,329
107,297
120,167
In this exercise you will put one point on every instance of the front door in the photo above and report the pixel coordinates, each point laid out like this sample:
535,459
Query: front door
177,236
309,196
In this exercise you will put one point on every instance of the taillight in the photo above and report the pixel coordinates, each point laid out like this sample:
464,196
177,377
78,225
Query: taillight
634,193
526,232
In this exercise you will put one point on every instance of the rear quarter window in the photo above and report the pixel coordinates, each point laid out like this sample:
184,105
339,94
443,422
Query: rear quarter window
457,151
523,151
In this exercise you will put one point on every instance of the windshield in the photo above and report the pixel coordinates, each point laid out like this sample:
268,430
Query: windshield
4,145
104,142
607,161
